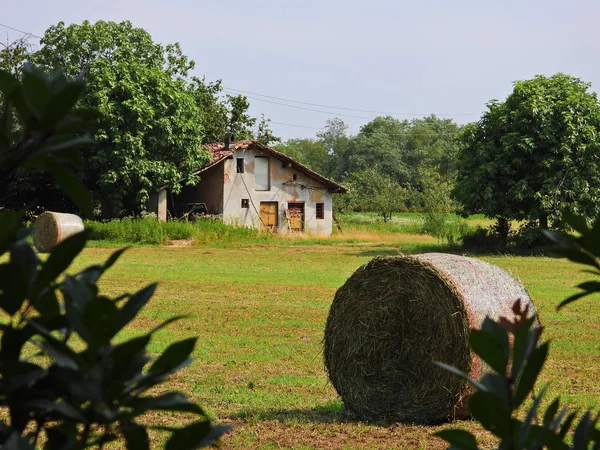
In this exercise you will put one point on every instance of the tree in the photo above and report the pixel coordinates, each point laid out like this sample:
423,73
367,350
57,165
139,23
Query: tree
151,132
372,190
13,55
309,152
264,134
533,154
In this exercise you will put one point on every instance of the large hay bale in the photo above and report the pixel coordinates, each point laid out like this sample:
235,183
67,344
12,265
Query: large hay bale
394,316
51,228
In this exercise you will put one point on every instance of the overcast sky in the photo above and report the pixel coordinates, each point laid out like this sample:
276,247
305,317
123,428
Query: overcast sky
415,57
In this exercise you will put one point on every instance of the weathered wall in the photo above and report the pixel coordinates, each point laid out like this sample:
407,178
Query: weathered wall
209,190
235,190
157,203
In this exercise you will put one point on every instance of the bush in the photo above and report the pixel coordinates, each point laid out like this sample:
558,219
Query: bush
149,231
482,240
444,226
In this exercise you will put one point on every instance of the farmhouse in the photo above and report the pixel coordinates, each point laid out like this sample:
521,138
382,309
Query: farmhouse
251,184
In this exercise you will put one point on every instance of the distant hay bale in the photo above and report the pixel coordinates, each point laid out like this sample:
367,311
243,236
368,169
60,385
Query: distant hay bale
51,228
394,316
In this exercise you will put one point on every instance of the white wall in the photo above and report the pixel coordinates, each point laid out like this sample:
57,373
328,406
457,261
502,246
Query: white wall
235,190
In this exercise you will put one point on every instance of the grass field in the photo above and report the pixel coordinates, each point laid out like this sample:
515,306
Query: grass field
259,311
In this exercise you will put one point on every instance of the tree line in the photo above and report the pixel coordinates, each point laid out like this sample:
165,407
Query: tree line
528,158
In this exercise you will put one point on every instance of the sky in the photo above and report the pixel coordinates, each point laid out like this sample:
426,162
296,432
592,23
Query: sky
410,58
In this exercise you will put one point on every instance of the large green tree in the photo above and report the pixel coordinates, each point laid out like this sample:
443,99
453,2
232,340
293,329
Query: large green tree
534,154
151,132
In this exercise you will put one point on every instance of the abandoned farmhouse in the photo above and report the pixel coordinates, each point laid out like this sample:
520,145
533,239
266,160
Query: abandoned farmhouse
251,184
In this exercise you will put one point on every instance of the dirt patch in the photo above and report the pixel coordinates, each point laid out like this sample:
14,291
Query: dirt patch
181,243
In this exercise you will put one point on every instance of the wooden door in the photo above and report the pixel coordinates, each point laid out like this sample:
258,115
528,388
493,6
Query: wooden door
269,216
296,216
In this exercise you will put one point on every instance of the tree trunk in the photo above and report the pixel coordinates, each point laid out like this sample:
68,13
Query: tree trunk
543,221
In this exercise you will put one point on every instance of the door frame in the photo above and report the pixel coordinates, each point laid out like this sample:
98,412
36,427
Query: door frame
302,206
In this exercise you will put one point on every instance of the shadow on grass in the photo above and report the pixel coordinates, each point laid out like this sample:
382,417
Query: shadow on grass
331,412
408,250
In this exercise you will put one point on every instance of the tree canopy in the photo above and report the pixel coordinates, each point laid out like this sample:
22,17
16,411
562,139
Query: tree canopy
534,154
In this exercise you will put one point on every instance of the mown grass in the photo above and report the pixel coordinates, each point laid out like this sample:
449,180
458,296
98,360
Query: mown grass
259,311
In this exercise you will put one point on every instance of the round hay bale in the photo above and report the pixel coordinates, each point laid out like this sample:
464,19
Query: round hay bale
394,316
51,228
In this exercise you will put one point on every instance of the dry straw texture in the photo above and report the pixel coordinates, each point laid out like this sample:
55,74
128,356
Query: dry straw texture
394,316
52,228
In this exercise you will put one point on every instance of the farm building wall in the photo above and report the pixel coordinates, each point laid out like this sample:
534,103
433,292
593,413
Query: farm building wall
242,195
209,190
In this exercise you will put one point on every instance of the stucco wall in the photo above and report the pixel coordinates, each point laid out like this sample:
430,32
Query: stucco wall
209,190
235,190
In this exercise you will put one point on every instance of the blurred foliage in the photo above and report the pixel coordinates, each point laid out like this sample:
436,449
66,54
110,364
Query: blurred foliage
65,382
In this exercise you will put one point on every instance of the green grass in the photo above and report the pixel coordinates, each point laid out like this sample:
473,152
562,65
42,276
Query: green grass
259,312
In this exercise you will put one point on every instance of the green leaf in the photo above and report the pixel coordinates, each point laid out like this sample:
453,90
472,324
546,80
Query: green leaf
136,437
60,352
72,187
16,442
566,425
530,373
135,303
198,434
8,83
23,255
60,259
61,103
578,223
171,401
102,320
571,299
174,356
491,345
10,222
460,439
497,384
13,287
36,88
491,412
523,345
583,432
47,304
532,414
461,374
576,255
57,410
551,412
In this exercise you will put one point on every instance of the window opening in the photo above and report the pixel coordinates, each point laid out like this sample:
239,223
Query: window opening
320,210
240,165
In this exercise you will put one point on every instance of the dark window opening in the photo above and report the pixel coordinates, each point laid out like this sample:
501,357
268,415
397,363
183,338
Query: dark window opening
245,203
320,210
240,165
294,177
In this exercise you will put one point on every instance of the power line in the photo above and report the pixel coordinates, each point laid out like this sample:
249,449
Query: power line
342,108
364,133
331,113
20,31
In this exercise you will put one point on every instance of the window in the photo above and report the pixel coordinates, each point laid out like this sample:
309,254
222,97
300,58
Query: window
240,165
294,177
320,210
245,203
261,173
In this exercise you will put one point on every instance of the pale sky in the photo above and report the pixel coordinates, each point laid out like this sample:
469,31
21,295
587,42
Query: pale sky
415,57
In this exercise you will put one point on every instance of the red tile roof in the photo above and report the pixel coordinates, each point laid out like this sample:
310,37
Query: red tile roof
219,153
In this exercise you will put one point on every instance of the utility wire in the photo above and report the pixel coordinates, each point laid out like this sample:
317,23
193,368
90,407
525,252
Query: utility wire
364,133
343,108
20,31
